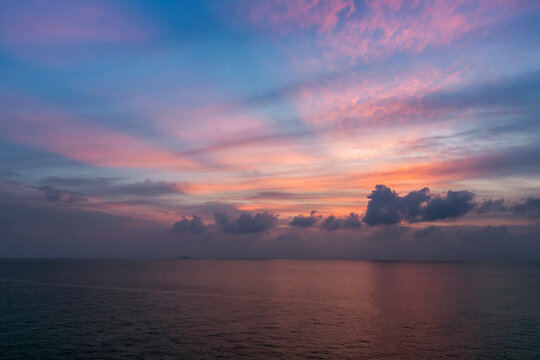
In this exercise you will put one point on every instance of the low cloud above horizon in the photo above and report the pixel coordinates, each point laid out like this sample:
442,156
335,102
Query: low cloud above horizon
270,128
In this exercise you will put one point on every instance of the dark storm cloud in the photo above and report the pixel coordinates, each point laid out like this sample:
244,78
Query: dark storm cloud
491,206
332,223
531,206
194,225
386,207
305,221
58,195
245,223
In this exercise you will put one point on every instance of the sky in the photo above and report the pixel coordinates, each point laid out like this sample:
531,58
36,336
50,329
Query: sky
270,129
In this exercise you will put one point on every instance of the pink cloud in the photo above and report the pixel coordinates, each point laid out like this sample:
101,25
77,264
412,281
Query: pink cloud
208,123
217,136
392,26
372,101
382,27
75,138
67,22
285,15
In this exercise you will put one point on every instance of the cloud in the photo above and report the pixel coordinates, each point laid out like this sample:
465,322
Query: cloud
245,223
79,181
111,186
80,139
490,206
57,195
148,188
386,207
33,230
67,22
332,223
273,195
194,225
305,221
287,16
456,203
531,206
36,230
383,207
374,29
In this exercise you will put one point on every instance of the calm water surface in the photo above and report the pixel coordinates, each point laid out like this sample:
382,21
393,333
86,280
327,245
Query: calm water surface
206,309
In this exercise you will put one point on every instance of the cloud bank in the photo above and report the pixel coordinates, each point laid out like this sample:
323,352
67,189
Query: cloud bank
194,225
332,223
245,223
305,221
386,207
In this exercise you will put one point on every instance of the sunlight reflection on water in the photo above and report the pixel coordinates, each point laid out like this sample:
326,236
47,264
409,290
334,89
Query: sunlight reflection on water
268,309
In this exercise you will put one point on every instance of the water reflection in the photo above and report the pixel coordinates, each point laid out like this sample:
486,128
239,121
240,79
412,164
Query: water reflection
268,309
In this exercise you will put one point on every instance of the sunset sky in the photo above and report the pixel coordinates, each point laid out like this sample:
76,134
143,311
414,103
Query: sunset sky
279,128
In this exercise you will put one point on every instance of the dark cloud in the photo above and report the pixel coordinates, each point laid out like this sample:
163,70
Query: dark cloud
147,188
58,195
531,206
33,230
305,221
413,202
245,223
386,207
273,195
78,181
519,90
490,206
110,186
194,225
332,223
41,231
456,203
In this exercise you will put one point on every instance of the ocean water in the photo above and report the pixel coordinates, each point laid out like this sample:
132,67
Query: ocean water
268,309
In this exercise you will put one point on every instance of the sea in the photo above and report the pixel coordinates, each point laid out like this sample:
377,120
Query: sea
268,309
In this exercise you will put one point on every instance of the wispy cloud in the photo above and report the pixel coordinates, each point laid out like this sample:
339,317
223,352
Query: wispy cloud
48,23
